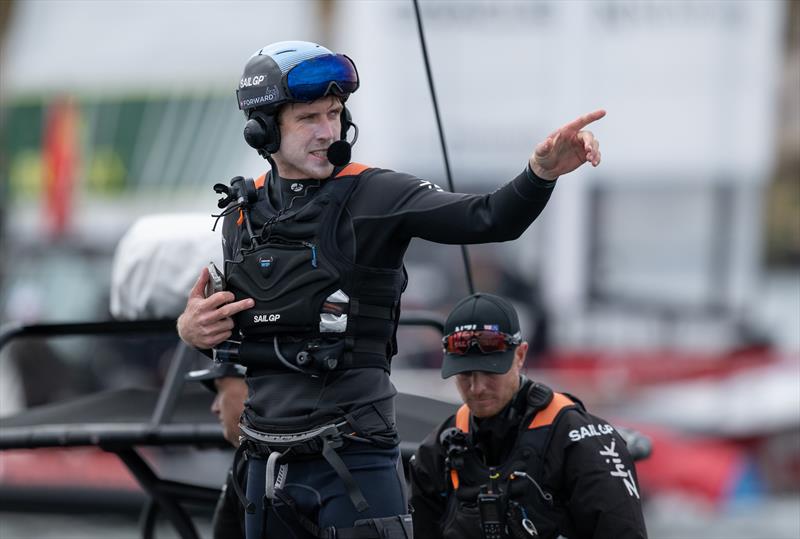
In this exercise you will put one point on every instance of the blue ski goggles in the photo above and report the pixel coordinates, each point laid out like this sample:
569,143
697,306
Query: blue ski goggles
320,76
330,74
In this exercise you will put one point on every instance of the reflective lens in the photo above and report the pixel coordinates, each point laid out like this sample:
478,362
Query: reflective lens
487,341
320,76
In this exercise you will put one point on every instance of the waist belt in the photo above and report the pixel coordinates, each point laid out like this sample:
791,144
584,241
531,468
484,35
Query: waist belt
367,424
315,355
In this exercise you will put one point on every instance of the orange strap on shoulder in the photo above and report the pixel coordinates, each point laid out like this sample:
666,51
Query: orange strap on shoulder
462,418
546,416
462,424
259,184
353,169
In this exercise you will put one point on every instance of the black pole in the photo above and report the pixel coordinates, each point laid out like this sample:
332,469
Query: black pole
464,252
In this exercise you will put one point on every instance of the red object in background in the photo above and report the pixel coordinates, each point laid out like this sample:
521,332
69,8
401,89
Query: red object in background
576,368
60,156
705,468
83,467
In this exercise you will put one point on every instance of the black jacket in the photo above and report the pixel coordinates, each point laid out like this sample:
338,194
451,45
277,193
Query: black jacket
584,465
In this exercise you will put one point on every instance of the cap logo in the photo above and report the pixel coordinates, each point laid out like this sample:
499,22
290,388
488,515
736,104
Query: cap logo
465,327
491,327
255,80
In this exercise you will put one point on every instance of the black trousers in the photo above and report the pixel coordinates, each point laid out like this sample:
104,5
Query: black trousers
320,493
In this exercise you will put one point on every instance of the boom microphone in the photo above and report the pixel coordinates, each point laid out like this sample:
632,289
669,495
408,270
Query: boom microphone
339,153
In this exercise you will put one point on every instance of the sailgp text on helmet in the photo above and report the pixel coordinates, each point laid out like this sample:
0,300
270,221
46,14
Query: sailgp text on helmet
294,71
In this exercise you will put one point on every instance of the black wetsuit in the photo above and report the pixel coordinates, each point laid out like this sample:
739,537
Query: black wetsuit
384,211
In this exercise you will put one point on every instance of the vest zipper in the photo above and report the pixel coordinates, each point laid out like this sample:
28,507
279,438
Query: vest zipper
313,252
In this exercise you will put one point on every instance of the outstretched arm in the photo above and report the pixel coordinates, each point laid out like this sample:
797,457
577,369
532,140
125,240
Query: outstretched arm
567,148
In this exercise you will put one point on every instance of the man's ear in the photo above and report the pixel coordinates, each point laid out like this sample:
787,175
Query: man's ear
520,354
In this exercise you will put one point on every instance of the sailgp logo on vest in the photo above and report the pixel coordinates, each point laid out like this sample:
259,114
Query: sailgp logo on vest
590,430
619,468
266,318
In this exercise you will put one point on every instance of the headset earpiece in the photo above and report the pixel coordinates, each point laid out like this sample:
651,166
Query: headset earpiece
262,132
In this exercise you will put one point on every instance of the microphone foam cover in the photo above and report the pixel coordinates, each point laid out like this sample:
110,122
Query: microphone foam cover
339,153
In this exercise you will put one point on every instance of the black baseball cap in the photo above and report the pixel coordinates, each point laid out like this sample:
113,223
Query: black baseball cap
481,312
219,370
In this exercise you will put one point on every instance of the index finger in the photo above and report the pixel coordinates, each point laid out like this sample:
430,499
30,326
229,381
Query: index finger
218,299
232,308
582,121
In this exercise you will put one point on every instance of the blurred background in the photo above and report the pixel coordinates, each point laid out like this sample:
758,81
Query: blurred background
661,287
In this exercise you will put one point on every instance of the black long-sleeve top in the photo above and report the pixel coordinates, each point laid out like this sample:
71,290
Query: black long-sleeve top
385,211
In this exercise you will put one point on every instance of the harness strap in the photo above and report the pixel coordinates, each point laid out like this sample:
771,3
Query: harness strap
304,521
249,506
360,532
338,465
270,482
263,355
358,308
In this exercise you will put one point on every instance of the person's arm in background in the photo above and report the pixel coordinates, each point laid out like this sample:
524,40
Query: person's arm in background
427,500
228,519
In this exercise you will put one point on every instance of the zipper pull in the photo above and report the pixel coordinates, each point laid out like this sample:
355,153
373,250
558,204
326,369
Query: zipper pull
313,252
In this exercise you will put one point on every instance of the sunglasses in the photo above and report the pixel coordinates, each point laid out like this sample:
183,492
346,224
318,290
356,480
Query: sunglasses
320,76
487,341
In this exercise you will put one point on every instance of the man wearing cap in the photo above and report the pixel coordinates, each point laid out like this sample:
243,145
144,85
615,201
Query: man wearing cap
517,459
226,380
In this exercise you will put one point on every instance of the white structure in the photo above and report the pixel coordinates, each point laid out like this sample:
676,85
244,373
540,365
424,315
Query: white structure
671,218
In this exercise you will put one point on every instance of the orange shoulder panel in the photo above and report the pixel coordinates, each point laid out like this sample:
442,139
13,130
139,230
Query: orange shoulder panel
462,418
546,416
353,169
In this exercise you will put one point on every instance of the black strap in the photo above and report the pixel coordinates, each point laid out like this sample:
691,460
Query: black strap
359,308
371,353
333,458
304,521
330,532
261,355
249,506
362,532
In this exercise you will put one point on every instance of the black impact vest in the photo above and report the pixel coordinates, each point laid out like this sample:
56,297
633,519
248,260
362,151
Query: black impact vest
315,309
523,495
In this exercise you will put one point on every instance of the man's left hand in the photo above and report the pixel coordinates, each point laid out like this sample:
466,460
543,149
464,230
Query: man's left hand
567,148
